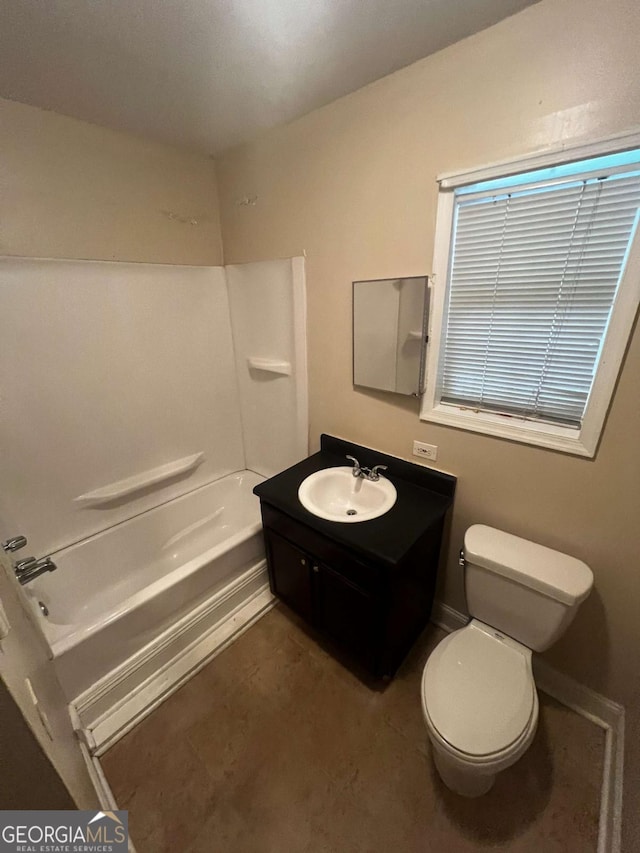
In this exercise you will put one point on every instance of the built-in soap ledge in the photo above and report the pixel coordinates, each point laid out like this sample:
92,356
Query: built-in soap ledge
123,488
270,365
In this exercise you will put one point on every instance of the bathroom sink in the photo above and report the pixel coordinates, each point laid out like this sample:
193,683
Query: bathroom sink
335,494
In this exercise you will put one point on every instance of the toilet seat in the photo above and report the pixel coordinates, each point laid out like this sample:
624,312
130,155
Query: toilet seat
478,694
492,762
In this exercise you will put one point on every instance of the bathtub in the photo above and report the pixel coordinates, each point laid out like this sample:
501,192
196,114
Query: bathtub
114,594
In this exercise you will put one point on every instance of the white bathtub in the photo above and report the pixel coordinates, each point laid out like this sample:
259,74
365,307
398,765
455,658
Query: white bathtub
116,592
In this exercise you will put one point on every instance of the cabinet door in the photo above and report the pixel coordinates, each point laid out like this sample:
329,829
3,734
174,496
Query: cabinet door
347,614
289,574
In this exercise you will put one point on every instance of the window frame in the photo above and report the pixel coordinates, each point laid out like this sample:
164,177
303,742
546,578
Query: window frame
583,441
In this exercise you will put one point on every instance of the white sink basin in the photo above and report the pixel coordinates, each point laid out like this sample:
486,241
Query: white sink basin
335,494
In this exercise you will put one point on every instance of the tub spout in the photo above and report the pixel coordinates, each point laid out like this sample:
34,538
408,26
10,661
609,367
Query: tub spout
29,569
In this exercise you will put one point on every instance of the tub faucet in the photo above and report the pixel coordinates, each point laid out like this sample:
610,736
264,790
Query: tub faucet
29,569
366,473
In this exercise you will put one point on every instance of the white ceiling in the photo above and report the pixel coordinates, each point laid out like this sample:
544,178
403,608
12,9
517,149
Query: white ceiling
212,73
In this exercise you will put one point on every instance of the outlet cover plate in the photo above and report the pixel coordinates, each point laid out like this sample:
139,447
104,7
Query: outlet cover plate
425,451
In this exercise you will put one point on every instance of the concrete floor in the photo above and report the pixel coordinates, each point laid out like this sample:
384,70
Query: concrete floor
275,747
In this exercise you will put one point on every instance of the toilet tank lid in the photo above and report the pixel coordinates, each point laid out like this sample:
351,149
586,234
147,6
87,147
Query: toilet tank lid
549,572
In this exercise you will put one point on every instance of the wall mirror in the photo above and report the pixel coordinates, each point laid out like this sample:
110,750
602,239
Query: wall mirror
390,328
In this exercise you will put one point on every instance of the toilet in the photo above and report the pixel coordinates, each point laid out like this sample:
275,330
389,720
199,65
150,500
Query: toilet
479,696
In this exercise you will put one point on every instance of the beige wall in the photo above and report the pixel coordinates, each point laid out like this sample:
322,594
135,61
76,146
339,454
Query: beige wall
353,184
69,189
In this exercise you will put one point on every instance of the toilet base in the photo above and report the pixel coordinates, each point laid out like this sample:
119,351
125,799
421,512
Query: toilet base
462,781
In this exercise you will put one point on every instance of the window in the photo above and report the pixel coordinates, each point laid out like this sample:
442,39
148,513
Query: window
537,280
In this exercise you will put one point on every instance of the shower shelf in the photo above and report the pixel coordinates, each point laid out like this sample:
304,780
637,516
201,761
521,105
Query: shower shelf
270,365
122,488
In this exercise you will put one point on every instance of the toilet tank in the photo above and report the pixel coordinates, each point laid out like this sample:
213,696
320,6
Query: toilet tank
527,591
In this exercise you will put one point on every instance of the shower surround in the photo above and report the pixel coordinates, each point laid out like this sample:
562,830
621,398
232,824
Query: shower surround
141,404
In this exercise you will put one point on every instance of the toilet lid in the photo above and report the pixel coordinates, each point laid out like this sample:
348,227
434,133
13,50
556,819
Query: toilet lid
478,691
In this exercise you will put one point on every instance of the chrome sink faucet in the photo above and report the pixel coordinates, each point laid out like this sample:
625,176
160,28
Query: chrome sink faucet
366,473
29,569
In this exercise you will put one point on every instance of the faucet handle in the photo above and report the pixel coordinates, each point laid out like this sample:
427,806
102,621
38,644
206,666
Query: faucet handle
356,466
373,475
14,543
24,564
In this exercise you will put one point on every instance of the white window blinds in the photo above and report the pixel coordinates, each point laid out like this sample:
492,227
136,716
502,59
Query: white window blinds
533,276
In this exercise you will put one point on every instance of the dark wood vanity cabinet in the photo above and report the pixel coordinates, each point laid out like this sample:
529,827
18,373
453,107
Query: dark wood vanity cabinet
368,586
372,611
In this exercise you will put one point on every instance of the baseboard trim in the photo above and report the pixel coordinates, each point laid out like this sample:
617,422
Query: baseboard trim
106,800
586,702
113,706
447,618
610,717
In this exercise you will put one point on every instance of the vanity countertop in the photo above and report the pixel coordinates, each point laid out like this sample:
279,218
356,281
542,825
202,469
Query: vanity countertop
424,496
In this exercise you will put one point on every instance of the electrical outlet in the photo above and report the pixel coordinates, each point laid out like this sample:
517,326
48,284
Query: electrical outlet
425,451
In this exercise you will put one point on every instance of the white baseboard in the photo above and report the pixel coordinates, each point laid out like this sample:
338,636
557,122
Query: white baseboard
102,788
586,702
610,717
116,703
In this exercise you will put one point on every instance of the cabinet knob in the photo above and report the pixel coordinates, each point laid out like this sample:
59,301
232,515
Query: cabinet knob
303,562
315,568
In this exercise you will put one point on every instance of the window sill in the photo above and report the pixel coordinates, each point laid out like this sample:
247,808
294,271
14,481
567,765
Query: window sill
563,439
